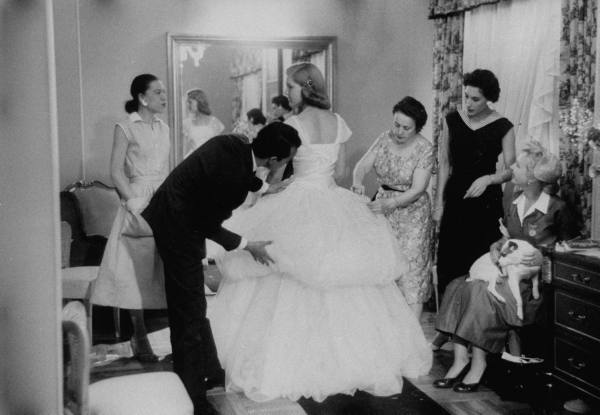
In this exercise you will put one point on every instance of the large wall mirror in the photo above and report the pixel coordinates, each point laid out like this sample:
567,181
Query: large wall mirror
236,75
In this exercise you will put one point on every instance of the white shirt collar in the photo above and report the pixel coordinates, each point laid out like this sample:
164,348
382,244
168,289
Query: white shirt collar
135,117
541,204
254,167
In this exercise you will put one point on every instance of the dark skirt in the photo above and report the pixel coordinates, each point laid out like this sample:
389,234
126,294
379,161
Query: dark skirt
467,229
469,311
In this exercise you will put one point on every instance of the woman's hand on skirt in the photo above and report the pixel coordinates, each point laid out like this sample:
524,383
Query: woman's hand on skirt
382,206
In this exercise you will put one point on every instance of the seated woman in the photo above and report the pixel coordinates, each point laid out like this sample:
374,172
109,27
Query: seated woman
473,316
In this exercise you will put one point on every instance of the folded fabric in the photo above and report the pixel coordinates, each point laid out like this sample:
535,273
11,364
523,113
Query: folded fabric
135,226
137,204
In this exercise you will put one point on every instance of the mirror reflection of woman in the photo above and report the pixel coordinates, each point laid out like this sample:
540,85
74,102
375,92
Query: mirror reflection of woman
200,126
327,316
402,160
131,272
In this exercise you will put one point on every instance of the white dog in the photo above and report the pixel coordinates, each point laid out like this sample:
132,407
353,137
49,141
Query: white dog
510,267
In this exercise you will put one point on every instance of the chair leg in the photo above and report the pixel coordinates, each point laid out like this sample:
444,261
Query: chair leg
435,287
117,320
88,309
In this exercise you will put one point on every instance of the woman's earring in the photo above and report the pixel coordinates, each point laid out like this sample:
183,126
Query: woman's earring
144,103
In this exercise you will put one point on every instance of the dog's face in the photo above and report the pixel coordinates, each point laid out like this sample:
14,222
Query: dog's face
511,258
509,247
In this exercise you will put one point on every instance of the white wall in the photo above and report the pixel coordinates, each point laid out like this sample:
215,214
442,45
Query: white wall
29,243
69,91
384,52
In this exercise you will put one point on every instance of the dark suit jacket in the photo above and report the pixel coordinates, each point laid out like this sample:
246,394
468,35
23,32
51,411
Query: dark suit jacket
202,191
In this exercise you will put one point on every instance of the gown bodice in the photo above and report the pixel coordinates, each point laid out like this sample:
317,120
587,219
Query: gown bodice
314,162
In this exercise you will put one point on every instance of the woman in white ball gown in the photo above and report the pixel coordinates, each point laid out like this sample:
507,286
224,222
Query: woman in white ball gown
326,317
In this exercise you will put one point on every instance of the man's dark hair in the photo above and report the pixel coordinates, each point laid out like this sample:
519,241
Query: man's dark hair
281,101
255,116
275,140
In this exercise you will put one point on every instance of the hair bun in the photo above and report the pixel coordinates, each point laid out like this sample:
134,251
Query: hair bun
547,169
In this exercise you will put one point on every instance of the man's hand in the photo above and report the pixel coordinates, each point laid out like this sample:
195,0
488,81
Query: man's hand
258,251
279,186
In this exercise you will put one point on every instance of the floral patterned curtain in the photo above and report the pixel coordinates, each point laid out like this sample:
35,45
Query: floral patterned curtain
444,8
447,70
578,61
245,62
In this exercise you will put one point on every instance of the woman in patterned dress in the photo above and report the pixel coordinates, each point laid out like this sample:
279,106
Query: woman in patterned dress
402,160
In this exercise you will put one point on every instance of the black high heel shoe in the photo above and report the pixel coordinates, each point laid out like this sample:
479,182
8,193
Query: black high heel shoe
466,387
447,383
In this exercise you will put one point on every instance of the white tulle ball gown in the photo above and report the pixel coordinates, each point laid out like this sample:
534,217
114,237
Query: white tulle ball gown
327,317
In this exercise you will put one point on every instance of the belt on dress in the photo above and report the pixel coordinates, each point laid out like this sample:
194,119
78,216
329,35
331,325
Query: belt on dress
386,187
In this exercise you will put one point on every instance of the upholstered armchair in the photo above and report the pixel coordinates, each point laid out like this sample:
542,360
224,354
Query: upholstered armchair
88,210
154,393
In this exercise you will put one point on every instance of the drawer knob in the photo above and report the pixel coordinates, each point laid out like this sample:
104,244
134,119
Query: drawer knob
575,364
577,317
580,278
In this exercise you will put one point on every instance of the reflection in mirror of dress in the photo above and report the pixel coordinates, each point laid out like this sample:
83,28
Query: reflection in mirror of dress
236,75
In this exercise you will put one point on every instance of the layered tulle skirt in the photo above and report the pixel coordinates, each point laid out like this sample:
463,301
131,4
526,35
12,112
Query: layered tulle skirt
327,318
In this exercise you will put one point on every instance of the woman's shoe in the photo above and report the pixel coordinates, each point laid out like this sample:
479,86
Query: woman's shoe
142,351
447,383
466,387
438,341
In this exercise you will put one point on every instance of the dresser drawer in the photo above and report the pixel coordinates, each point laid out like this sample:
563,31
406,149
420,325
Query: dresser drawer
582,363
577,276
577,314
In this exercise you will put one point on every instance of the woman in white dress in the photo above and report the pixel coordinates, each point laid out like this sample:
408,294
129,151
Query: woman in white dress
326,317
200,126
131,272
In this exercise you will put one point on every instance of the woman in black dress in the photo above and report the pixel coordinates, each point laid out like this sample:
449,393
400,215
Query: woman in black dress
469,191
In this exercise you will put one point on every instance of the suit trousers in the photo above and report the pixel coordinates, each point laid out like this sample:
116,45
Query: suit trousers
194,351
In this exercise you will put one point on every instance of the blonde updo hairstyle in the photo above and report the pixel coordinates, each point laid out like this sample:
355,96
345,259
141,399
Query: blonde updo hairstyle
541,165
310,79
199,97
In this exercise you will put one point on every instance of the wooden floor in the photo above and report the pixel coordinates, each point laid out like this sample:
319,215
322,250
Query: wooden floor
484,401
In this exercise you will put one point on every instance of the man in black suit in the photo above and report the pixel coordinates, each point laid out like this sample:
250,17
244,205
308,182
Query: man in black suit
190,206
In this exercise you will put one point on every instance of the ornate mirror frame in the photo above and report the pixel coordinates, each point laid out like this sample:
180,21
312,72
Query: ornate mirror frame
175,43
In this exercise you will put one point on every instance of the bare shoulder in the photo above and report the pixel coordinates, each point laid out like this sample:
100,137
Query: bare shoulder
321,125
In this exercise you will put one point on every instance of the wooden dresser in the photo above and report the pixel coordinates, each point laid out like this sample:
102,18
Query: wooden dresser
576,322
